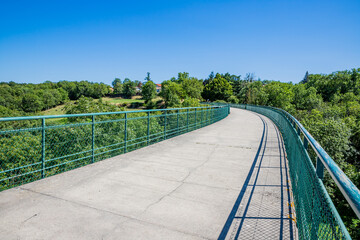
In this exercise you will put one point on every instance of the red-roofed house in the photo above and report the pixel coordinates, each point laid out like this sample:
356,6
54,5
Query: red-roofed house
158,88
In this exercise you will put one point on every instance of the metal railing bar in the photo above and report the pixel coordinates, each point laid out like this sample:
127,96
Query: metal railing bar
96,114
18,168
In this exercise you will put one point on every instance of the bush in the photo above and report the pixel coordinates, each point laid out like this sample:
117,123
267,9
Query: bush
151,105
191,102
233,99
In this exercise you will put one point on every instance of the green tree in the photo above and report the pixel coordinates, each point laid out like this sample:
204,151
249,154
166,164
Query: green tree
209,79
305,98
217,89
279,95
190,102
233,99
171,92
192,87
49,99
129,88
115,82
89,105
147,78
99,90
32,103
149,91
118,88
254,93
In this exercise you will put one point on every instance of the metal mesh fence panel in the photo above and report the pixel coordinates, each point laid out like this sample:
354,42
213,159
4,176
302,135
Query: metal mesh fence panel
35,147
316,216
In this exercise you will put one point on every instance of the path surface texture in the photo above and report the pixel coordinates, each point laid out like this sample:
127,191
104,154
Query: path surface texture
228,180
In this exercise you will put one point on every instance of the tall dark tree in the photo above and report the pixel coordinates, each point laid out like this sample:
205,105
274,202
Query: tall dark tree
116,81
217,89
209,79
147,78
306,78
250,77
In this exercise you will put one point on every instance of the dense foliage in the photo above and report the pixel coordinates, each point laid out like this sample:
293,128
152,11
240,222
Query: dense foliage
182,90
127,88
18,99
217,89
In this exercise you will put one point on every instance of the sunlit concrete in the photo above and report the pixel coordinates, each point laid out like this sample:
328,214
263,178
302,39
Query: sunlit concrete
189,187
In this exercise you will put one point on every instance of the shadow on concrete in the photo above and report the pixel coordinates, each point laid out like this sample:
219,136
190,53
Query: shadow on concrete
263,208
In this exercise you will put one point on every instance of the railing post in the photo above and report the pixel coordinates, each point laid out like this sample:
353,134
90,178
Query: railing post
195,119
187,119
298,131
164,124
209,115
125,134
201,118
213,114
228,109
148,128
93,139
43,148
177,121
306,143
319,168
206,116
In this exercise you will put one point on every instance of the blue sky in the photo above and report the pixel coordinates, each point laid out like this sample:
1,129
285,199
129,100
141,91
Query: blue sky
101,40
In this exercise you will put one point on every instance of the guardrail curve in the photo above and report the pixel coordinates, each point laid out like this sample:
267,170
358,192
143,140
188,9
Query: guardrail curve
316,215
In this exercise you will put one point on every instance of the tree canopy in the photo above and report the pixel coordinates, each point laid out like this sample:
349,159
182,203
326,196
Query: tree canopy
217,89
148,91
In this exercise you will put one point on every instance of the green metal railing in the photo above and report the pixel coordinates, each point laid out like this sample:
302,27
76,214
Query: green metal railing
316,215
35,147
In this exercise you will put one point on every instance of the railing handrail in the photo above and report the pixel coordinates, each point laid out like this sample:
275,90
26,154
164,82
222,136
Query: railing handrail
96,114
348,188
50,149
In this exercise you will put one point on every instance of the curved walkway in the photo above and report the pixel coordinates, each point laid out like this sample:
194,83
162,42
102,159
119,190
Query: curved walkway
228,180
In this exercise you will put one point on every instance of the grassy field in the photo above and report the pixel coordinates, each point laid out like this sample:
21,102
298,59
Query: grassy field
58,110
119,100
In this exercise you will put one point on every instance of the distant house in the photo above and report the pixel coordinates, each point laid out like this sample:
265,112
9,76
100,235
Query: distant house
138,87
158,88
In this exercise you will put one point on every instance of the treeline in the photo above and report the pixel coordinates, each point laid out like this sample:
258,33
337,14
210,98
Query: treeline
183,91
20,99
126,88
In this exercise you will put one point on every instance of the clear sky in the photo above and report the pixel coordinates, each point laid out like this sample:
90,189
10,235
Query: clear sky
101,40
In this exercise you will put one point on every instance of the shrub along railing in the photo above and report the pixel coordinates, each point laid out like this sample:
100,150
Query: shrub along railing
35,147
316,215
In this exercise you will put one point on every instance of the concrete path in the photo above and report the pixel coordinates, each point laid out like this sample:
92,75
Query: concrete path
228,180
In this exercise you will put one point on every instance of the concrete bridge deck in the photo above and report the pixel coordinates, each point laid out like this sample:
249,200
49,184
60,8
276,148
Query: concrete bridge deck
228,180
